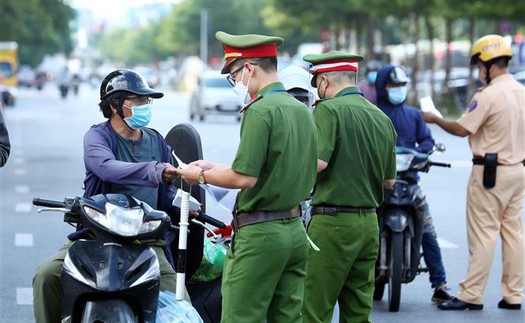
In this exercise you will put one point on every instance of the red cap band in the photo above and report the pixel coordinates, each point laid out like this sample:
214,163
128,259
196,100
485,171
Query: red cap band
266,50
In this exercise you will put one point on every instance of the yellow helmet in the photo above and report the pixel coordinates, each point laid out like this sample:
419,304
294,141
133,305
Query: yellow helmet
489,47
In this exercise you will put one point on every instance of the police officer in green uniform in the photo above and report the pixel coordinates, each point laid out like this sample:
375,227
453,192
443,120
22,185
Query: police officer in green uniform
275,169
356,161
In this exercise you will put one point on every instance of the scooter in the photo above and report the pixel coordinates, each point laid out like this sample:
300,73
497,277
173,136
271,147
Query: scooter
401,219
110,278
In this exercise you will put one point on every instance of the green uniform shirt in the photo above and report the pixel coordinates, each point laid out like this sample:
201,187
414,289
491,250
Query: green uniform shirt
357,140
278,144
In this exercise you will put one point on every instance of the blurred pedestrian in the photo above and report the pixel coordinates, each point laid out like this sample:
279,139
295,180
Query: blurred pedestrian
275,169
5,145
413,132
356,160
495,125
367,85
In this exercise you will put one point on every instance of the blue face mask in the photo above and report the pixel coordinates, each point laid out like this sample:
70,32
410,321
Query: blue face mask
372,77
397,95
140,117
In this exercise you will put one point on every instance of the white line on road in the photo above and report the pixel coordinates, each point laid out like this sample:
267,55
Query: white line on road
24,296
23,239
23,189
20,172
445,244
23,207
19,160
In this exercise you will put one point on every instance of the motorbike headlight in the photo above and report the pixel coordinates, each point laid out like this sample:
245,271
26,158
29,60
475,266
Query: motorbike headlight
149,226
403,162
123,221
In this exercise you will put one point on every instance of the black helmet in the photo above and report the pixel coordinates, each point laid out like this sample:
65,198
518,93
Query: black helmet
129,81
397,76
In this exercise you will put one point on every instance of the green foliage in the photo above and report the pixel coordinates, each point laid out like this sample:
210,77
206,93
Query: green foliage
39,27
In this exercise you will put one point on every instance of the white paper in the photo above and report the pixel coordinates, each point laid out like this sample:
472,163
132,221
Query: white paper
427,105
179,161
194,205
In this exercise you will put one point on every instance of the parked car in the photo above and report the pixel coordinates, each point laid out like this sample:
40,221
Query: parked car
214,95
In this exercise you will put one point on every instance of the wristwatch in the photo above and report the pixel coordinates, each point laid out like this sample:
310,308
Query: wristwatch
202,179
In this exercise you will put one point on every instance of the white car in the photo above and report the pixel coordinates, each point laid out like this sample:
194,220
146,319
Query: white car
214,95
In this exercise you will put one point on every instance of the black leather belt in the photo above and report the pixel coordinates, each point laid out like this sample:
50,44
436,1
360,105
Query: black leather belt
242,219
481,161
332,210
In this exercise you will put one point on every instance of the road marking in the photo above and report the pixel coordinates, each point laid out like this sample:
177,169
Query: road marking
23,207
20,172
23,239
445,244
24,296
19,160
24,189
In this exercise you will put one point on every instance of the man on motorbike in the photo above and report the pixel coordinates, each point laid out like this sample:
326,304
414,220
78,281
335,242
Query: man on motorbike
412,131
121,155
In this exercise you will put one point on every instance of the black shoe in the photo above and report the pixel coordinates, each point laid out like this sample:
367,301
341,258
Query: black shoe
442,294
508,306
459,305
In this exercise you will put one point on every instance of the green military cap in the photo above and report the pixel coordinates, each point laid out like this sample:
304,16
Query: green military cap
246,46
333,61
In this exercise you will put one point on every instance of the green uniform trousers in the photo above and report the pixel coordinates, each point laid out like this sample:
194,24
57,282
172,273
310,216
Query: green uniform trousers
46,283
264,273
343,270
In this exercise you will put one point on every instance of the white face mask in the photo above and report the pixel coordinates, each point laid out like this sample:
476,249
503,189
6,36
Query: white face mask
242,90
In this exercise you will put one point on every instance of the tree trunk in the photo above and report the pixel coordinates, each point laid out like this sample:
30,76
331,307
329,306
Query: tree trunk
432,61
415,63
471,32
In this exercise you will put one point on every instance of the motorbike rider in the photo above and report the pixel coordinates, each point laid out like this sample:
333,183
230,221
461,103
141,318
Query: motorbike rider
412,132
121,155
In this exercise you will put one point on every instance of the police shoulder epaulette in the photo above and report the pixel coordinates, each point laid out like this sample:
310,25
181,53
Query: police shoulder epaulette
317,102
251,102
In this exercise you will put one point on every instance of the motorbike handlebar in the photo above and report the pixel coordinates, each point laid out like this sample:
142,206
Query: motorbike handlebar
208,219
48,203
440,164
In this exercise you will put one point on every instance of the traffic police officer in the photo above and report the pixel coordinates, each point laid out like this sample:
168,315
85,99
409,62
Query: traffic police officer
356,161
495,125
275,169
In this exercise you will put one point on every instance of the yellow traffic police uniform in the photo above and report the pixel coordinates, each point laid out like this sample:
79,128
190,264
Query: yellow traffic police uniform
495,119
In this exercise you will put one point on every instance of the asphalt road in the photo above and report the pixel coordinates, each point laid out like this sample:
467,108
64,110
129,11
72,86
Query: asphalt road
46,161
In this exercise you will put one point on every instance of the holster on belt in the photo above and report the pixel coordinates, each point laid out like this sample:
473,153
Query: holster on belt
490,165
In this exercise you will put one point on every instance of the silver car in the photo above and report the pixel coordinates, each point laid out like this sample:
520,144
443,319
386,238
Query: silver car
214,95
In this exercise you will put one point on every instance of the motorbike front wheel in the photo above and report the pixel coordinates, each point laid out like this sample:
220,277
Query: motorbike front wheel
396,271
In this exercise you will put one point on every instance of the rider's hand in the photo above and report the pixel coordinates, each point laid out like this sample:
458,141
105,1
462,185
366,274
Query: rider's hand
169,174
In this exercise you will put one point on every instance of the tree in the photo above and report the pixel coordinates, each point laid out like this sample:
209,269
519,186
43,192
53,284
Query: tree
40,27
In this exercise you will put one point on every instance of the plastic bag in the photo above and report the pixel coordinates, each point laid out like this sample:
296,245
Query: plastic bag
170,310
212,262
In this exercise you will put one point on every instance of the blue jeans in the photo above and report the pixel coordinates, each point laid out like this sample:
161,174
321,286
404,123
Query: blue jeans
432,252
